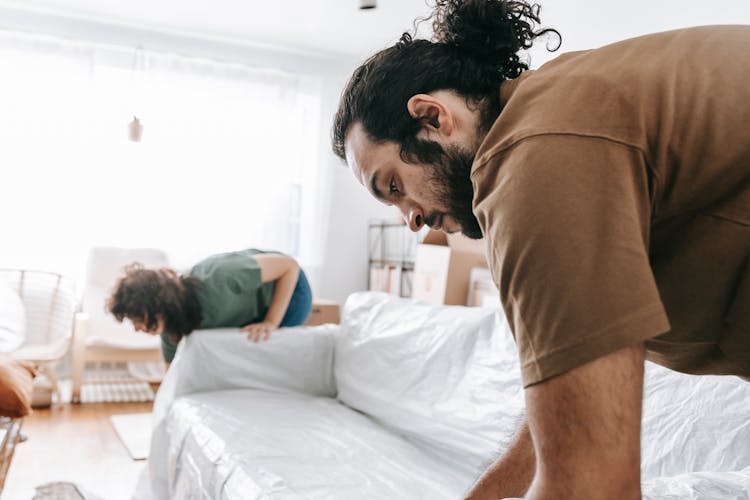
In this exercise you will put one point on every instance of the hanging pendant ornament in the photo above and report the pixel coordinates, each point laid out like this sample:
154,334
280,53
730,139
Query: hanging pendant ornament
135,130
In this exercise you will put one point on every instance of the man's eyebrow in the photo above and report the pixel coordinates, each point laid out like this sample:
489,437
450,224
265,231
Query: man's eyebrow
375,189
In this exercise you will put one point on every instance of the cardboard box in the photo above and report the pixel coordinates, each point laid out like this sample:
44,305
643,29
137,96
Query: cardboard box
442,268
323,311
482,289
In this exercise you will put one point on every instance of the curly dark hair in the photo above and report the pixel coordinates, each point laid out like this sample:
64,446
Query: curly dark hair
475,48
147,294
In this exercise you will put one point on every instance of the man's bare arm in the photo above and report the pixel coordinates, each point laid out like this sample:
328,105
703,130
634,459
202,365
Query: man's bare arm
585,425
511,475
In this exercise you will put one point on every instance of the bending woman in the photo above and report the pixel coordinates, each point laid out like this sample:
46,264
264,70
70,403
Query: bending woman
256,290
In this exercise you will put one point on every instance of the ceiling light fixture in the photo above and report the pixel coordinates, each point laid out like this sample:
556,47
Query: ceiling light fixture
367,4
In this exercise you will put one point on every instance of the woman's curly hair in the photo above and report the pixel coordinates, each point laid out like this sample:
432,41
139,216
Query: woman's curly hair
148,294
474,49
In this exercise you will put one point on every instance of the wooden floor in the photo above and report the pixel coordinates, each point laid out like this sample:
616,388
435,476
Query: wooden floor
74,443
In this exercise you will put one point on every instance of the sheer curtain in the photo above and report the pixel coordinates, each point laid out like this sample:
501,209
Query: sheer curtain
228,158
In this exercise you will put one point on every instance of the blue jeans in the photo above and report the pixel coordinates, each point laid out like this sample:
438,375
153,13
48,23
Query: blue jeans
300,304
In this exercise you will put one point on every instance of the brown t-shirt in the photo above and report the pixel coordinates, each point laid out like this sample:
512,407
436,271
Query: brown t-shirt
614,194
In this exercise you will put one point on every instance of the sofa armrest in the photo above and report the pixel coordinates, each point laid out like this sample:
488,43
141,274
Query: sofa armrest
298,359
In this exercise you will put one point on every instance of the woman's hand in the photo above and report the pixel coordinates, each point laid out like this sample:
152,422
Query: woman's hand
284,271
259,331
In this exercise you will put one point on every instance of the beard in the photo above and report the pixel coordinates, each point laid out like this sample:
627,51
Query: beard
449,179
449,182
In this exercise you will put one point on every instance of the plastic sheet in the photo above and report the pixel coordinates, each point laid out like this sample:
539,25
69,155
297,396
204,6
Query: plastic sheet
700,486
428,396
448,376
249,445
293,360
694,423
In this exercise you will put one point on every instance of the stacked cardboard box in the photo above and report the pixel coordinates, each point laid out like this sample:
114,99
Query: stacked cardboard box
482,289
323,311
443,266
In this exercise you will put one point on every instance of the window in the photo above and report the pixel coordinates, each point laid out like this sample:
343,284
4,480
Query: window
224,163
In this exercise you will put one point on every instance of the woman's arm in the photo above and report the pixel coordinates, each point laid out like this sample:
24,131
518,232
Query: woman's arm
284,270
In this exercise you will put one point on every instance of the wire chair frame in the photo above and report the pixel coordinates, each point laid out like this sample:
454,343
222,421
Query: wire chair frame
50,307
49,301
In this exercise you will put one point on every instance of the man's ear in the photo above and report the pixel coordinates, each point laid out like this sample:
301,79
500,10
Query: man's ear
436,118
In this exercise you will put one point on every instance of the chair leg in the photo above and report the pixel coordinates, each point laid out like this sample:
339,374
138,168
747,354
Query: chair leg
48,372
75,396
79,355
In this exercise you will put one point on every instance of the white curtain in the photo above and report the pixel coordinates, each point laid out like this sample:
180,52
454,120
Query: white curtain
228,158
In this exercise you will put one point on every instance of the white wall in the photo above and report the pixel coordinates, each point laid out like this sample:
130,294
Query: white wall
587,24
344,268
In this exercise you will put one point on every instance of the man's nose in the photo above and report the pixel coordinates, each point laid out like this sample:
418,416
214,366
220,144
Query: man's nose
415,219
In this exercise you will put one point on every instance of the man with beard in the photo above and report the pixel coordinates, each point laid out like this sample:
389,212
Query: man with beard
612,187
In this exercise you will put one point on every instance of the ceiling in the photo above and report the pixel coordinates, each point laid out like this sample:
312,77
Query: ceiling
335,27
336,33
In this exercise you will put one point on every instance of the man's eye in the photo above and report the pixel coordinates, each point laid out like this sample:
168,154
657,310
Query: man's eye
392,188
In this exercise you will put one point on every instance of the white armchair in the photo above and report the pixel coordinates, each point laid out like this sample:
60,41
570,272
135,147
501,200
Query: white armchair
99,336
49,304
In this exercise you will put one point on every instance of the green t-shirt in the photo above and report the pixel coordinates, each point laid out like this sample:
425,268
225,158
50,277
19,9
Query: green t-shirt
230,293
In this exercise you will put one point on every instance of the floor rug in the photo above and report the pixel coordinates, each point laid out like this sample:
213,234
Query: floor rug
134,430
111,385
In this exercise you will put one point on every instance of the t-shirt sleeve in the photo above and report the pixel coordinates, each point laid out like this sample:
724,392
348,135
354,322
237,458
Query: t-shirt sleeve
168,347
225,274
567,222
246,270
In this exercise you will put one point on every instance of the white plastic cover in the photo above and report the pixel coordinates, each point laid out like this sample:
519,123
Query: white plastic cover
252,445
439,393
450,376
445,375
694,423
292,360
700,486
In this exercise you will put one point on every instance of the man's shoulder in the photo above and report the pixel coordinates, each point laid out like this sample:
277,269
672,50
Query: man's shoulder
608,90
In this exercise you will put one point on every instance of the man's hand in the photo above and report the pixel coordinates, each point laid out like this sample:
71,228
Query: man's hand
511,475
259,331
585,425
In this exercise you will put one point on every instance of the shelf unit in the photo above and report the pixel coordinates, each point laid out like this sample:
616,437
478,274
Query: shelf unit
391,251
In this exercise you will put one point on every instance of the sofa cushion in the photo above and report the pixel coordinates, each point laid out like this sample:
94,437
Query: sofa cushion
256,445
445,375
449,376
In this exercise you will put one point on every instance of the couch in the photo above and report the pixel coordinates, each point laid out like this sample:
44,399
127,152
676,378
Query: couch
403,400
